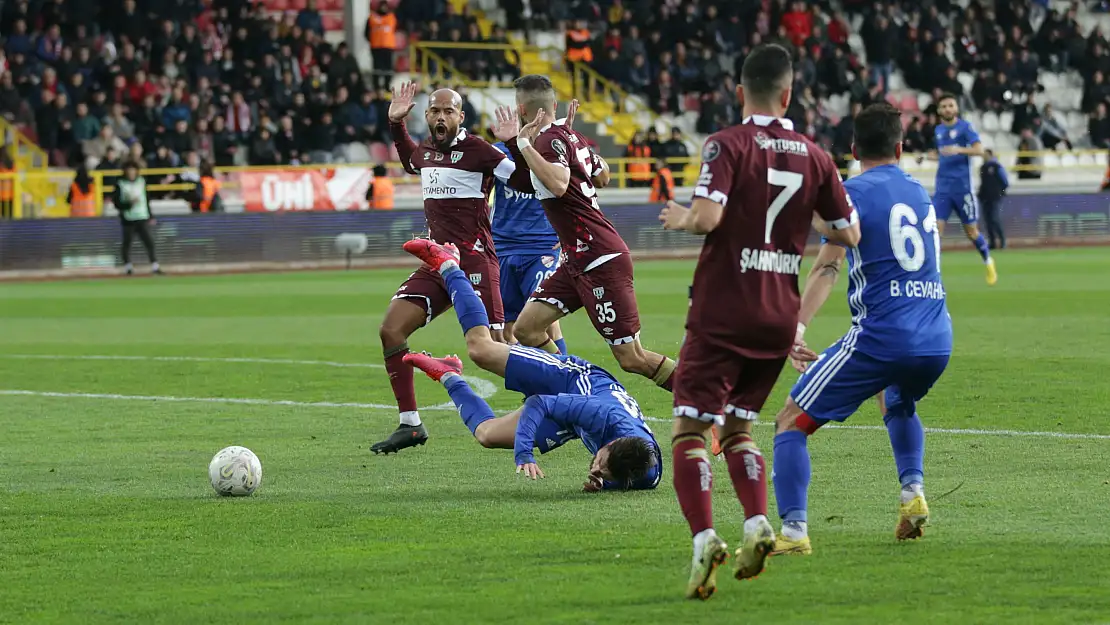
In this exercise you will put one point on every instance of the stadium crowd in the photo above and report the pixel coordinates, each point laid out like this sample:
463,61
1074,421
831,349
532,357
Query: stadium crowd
232,82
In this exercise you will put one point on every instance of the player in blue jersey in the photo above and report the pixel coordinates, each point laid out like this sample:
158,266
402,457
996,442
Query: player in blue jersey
527,251
957,142
900,338
565,397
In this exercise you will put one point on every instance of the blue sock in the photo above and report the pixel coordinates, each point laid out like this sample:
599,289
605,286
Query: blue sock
907,440
562,345
468,306
473,409
790,475
984,249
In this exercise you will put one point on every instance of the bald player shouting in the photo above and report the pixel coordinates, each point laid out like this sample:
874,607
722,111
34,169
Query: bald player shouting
457,171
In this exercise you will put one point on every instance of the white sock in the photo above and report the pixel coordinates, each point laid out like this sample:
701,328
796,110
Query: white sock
154,266
795,530
912,491
700,539
753,524
411,417
446,265
128,267
447,377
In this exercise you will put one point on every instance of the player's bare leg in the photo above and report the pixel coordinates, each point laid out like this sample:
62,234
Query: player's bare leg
693,483
402,319
633,358
510,336
791,475
531,327
748,472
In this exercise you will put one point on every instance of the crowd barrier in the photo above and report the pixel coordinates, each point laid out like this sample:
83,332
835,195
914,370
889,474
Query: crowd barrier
307,237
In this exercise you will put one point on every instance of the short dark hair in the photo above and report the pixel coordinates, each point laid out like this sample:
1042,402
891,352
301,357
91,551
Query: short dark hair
537,92
630,458
767,71
878,131
947,95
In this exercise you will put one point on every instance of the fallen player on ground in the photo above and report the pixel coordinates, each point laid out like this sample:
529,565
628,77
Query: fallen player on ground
566,397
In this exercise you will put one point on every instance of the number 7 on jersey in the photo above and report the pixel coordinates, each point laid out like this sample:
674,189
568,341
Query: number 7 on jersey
790,182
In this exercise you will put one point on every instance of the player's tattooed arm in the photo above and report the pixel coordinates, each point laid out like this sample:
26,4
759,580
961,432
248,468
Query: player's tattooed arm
822,277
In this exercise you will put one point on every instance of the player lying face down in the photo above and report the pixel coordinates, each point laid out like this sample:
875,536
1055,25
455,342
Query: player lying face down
567,397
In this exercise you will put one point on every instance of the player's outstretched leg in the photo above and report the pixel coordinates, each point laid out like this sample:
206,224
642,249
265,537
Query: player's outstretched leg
976,237
471,312
907,441
791,475
748,472
693,483
402,318
633,358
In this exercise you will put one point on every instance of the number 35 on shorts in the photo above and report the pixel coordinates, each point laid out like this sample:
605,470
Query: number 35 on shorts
605,312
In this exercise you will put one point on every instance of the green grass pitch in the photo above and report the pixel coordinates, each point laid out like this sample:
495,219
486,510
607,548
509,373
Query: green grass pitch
106,515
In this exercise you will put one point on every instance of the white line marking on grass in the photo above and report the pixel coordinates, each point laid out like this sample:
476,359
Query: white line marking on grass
257,361
484,388
955,431
221,400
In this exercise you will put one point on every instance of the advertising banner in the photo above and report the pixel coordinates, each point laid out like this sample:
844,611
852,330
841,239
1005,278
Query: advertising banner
293,235
308,190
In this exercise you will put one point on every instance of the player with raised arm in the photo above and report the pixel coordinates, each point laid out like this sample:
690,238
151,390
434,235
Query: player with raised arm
900,338
456,174
957,142
565,397
596,268
760,187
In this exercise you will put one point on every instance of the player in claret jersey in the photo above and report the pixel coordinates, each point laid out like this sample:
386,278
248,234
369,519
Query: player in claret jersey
760,187
456,171
596,268
900,339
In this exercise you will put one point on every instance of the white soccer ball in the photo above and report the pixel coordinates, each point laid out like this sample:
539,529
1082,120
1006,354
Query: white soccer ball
235,472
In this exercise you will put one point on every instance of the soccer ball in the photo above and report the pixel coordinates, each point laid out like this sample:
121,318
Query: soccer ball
235,472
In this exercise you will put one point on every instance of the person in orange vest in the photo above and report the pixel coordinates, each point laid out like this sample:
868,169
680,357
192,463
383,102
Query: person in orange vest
7,185
579,45
207,198
639,174
662,186
380,193
381,32
82,194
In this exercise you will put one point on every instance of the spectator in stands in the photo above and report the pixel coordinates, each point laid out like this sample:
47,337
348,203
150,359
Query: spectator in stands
798,22
674,148
381,31
913,141
225,144
309,18
1098,127
639,75
1026,115
579,44
614,68
1031,164
1052,131
662,183
503,64
663,95
85,126
263,152
10,99
880,39
713,115
639,173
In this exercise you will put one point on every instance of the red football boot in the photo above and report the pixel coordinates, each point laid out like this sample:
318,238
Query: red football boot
433,254
435,368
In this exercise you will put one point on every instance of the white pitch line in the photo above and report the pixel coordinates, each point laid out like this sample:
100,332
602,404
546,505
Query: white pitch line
955,431
484,388
257,361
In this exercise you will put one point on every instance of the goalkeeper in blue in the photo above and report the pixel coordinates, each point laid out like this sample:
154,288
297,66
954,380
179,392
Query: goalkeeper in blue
900,338
957,142
565,397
